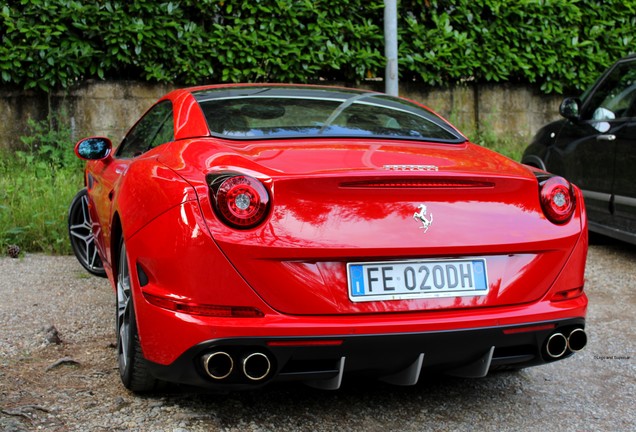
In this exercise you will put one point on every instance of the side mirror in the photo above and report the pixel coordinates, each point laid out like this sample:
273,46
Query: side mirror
571,109
93,148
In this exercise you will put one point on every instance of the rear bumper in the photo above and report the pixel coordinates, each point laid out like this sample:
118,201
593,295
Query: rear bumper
322,349
403,358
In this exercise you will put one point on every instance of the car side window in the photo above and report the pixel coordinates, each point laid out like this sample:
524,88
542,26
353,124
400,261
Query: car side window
616,97
153,129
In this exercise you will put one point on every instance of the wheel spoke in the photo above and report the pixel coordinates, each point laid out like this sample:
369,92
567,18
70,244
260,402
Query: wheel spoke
124,340
78,229
83,237
85,214
94,261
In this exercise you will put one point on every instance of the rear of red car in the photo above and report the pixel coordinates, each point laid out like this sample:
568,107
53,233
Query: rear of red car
299,249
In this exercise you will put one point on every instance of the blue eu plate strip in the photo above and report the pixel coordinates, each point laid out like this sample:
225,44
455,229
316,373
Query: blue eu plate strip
356,276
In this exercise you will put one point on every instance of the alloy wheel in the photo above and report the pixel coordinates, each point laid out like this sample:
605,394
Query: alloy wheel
80,228
124,304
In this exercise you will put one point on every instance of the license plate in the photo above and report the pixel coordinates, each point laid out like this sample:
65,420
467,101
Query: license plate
372,281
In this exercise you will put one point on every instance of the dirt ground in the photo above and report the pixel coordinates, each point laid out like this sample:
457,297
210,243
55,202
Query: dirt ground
58,371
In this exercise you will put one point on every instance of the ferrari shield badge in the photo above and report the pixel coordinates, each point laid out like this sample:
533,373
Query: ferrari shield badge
421,216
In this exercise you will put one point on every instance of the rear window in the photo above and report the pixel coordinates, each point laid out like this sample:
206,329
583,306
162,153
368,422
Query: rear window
260,115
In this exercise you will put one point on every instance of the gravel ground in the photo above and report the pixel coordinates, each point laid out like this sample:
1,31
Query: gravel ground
57,371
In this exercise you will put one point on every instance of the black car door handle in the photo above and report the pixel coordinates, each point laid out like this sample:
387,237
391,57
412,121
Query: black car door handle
608,137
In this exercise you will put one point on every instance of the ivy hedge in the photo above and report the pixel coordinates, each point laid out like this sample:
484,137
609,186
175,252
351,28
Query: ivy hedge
557,45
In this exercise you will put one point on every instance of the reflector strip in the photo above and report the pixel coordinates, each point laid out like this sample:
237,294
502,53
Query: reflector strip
567,294
205,310
529,329
291,343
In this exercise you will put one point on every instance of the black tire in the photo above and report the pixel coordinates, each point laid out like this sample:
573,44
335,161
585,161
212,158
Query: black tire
80,233
133,367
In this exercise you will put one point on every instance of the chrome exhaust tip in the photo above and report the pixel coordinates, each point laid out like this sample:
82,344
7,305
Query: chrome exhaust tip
256,366
557,345
577,340
218,365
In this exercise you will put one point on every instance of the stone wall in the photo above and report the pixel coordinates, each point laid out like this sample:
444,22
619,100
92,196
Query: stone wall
110,108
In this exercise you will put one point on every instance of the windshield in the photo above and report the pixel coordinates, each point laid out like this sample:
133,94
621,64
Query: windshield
288,112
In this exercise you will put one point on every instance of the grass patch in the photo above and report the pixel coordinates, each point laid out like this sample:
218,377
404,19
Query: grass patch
37,184
506,145
35,200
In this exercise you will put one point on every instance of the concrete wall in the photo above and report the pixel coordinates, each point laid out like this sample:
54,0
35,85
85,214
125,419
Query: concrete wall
110,108
502,109
94,108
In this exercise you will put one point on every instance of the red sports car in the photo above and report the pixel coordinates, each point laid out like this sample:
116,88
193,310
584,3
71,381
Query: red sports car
265,233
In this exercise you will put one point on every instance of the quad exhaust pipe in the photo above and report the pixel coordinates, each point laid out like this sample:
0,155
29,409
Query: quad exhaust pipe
577,340
219,365
256,366
558,344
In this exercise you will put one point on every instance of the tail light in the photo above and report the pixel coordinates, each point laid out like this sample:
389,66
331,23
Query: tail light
240,201
557,199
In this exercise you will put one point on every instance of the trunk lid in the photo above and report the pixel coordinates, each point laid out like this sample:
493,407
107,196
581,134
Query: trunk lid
380,202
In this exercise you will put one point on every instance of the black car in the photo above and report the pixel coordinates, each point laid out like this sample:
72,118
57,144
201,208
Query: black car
594,146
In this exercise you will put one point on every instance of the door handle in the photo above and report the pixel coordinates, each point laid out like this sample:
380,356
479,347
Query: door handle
608,137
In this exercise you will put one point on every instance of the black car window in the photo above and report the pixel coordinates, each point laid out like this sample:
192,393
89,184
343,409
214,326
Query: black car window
616,96
154,128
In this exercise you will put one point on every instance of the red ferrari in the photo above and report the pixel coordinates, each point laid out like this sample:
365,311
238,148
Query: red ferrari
265,233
